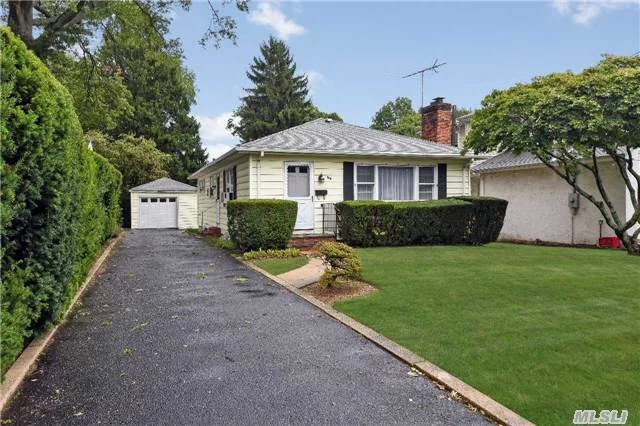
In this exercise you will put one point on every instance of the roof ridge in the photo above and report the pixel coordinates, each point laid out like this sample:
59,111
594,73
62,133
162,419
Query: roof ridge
411,138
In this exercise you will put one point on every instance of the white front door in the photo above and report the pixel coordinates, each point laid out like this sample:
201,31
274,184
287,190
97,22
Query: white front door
298,187
158,212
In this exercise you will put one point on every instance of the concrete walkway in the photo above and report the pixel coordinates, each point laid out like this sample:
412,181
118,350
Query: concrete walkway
306,275
177,332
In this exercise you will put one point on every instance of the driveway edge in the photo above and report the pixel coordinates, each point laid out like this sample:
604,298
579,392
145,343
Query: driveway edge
29,356
484,403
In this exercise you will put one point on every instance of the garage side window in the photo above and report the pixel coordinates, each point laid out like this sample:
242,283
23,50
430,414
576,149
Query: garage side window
201,185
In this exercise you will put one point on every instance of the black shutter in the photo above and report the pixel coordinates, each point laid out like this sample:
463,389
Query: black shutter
442,180
235,183
217,187
224,182
347,179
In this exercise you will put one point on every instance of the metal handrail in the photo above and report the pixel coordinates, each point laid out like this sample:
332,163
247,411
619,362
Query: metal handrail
202,216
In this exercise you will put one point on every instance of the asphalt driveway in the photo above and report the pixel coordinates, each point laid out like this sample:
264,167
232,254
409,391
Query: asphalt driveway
175,331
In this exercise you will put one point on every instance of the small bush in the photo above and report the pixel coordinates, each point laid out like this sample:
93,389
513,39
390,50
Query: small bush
342,262
223,243
272,254
261,224
459,220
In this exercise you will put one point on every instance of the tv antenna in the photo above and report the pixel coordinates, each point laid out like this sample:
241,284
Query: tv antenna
433,68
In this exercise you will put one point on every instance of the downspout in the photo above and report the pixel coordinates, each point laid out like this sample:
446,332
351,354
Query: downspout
258,174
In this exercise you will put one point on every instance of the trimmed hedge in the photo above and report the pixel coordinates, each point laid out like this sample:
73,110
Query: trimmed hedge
459,220
59,200
487,218
261,224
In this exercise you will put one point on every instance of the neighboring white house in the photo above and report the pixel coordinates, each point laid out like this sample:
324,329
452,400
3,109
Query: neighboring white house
539,201
164,203
322,162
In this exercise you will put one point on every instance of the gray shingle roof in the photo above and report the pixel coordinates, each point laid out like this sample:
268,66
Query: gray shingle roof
507,160
322,136
164,185
326,137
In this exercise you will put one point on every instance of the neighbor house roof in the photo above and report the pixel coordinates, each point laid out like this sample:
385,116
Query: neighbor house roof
507,160
329,137
164,185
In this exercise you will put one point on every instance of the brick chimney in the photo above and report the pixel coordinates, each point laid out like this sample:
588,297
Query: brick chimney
437,121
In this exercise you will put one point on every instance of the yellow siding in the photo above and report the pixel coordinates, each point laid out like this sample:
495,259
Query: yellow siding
187,211
271,182
187,207
263,177
212,212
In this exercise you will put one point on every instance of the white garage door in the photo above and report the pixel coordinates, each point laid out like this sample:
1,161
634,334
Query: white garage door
158,212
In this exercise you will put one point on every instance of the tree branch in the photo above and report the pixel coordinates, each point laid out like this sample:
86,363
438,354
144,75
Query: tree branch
601,189
68,18
571,180
621,164
150,18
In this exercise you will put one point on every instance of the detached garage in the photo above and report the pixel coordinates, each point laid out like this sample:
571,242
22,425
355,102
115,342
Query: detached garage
164,203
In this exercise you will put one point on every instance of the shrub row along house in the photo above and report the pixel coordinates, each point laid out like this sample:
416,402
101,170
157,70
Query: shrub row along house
322,162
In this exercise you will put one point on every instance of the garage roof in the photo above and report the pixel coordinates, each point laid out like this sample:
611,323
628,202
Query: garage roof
164,185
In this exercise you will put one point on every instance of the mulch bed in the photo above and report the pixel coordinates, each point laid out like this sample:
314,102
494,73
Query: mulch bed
347,290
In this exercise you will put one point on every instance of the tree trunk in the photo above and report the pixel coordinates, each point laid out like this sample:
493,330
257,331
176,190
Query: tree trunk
20,20
632,245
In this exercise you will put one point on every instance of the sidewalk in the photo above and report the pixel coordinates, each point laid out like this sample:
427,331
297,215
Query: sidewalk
306,275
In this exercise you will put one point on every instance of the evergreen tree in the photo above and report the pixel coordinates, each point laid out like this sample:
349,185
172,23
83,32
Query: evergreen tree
280,98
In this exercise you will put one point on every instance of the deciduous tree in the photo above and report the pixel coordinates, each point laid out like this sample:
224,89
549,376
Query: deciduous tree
58,25
391,113
574,123
136,158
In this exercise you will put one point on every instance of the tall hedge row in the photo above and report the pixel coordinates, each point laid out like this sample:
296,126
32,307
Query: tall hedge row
261,224
463,220
59,200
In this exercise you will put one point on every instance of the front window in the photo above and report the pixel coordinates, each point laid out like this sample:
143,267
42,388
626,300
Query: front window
426,183
395,183
365,182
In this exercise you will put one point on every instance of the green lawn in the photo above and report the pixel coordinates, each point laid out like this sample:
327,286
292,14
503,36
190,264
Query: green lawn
280,266
543,330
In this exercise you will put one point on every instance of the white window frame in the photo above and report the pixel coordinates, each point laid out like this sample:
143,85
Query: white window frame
229,180
416,179
210,187
434,185
309,164
356,183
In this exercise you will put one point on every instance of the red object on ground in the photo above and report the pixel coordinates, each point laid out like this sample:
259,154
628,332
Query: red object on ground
214,230
610,242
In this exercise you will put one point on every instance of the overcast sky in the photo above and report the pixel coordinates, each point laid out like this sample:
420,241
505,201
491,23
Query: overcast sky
355,53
